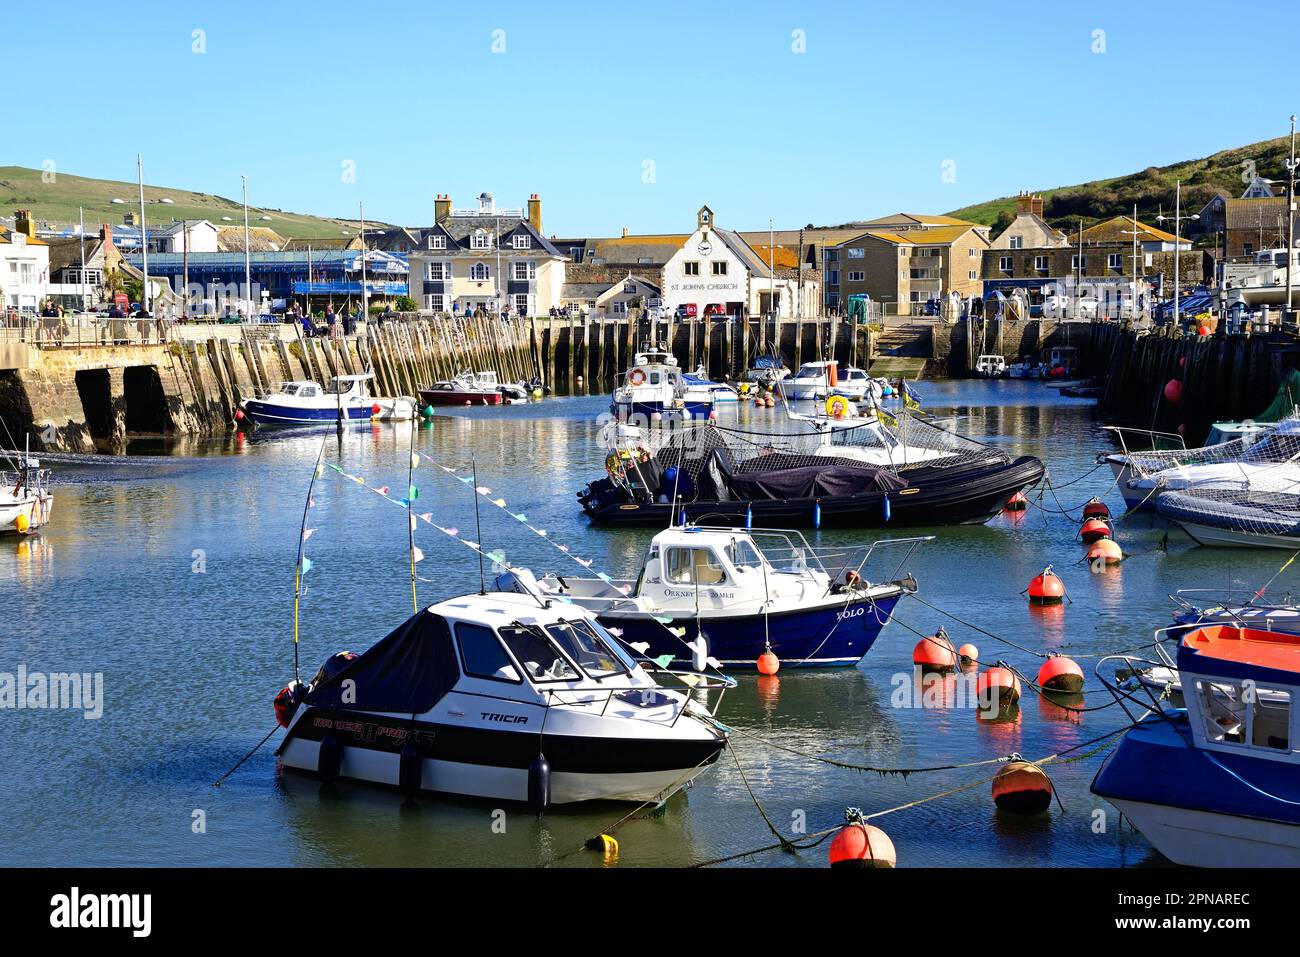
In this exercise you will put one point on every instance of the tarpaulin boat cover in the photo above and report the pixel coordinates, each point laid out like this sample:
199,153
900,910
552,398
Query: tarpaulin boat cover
812,481
408,671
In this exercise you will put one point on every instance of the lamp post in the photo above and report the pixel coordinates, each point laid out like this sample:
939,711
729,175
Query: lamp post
144,235
1290,215
1178,241
248,278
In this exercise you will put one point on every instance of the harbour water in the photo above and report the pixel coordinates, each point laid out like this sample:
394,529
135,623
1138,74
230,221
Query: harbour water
175,580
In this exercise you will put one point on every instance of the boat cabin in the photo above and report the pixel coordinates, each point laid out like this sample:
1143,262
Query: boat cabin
1240,686
1064,358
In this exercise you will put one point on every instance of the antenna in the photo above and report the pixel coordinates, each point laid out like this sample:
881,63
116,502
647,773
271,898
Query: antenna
478,525
302,534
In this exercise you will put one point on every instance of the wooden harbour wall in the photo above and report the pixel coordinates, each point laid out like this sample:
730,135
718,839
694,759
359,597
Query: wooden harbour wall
84,396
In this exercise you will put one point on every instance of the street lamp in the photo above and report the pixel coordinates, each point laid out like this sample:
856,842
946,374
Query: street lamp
1290,215
1178,239
144,236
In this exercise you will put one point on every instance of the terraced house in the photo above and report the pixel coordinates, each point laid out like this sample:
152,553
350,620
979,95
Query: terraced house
905,261
486,259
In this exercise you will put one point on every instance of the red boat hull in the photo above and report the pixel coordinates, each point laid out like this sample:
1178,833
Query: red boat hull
458,397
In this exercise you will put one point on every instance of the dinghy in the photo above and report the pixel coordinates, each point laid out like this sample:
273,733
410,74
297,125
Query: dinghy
503,697
746,591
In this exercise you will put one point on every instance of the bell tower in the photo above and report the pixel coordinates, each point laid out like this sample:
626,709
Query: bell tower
704,218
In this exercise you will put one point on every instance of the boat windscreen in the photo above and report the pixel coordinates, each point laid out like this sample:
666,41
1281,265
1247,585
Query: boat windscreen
588,649
534,650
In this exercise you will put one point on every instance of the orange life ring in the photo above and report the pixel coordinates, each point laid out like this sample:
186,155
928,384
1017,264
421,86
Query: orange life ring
636,377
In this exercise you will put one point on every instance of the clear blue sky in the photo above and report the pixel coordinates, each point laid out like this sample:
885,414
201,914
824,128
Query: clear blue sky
713,94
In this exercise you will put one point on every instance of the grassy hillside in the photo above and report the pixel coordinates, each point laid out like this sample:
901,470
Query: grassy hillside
1152,188
57,202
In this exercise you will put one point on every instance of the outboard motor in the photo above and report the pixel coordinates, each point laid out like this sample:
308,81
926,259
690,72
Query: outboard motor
519,580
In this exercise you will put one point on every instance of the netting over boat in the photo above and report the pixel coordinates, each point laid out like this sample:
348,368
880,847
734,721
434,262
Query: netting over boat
872,444
1278,445
1249,511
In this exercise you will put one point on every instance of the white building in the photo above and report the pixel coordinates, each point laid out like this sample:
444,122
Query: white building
202,237
715,272
24,265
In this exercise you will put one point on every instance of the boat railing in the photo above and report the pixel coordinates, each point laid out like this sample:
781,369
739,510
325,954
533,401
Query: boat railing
1142,697
1224,606
1120,432
693,682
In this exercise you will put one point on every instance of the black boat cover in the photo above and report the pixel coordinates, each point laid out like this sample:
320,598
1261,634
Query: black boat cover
813,481
409,670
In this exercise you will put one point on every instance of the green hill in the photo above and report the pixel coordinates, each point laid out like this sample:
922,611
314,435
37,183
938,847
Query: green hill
1151,189
57,202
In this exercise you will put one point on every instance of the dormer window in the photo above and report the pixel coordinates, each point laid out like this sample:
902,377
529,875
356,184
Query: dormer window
438,241
523,241
480,240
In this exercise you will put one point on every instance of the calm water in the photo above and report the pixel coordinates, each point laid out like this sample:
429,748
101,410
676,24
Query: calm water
192,660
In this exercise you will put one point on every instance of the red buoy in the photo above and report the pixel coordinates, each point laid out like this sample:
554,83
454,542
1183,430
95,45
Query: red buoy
999,686
1022,788
1046,589
1017,503
935,653
239,414
1204,331
859,844
969,655
1096,508
1107,551
768,663
1174,391
1093,530
1060,674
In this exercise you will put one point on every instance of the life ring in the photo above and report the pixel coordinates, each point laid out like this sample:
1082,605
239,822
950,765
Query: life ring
837,406
636,377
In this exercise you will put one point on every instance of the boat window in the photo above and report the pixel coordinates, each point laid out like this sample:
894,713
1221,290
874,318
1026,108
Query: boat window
655,378
537,654
290,390
482,656
1243,713
743,554
693,566
810,372
587,648
307,391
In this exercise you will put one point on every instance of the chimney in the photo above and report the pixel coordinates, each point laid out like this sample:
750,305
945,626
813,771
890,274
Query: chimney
128,218
441,207
535,212
1022,203
106,233
625,233
24,224
1036,204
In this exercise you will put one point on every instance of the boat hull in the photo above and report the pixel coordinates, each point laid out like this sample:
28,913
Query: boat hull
957,497
646,410
36,510
836,635
459,397
1232,538
493,764
272,414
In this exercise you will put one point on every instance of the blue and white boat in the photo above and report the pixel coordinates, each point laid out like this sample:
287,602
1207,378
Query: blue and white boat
720,391
746,591
1216,782
307,403
655,389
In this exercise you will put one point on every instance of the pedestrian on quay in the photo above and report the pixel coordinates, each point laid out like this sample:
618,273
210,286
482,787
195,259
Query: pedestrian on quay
349,321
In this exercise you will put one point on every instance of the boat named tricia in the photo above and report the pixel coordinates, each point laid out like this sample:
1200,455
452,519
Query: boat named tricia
654,389
307,403
1217,783
503,697
748,590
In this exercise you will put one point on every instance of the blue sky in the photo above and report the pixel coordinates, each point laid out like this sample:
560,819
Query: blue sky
585,94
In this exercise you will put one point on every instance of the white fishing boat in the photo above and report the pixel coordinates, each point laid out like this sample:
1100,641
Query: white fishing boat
721,391
746,591
990,367
654,389
812,380
345,399
1213,781
503,697
1235,517
25,500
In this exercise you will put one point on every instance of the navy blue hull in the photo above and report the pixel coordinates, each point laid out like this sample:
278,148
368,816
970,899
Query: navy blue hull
833,636
696,410
267,413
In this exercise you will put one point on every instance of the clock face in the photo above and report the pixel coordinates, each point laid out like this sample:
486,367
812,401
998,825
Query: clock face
705,248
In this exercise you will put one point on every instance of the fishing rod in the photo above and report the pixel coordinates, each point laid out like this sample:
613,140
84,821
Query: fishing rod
302,541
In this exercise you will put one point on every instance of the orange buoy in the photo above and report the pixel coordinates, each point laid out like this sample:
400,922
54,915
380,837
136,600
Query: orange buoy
1094,529
1204,330
1017,503
1022,788
935,653
859,844
1046,589
969,655
1060,674
768,663
1096,508
1174,391
998,686
1107,551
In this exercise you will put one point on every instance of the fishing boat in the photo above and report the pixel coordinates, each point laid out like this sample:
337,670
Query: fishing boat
746,591
345,399
813,380
1235,517
1255,456
1215,783
466,388
654,389
766,371
502,697
721,391
857,473
1200,606
990,367
1026,368
25,500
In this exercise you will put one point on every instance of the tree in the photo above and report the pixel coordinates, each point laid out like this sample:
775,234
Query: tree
405,304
